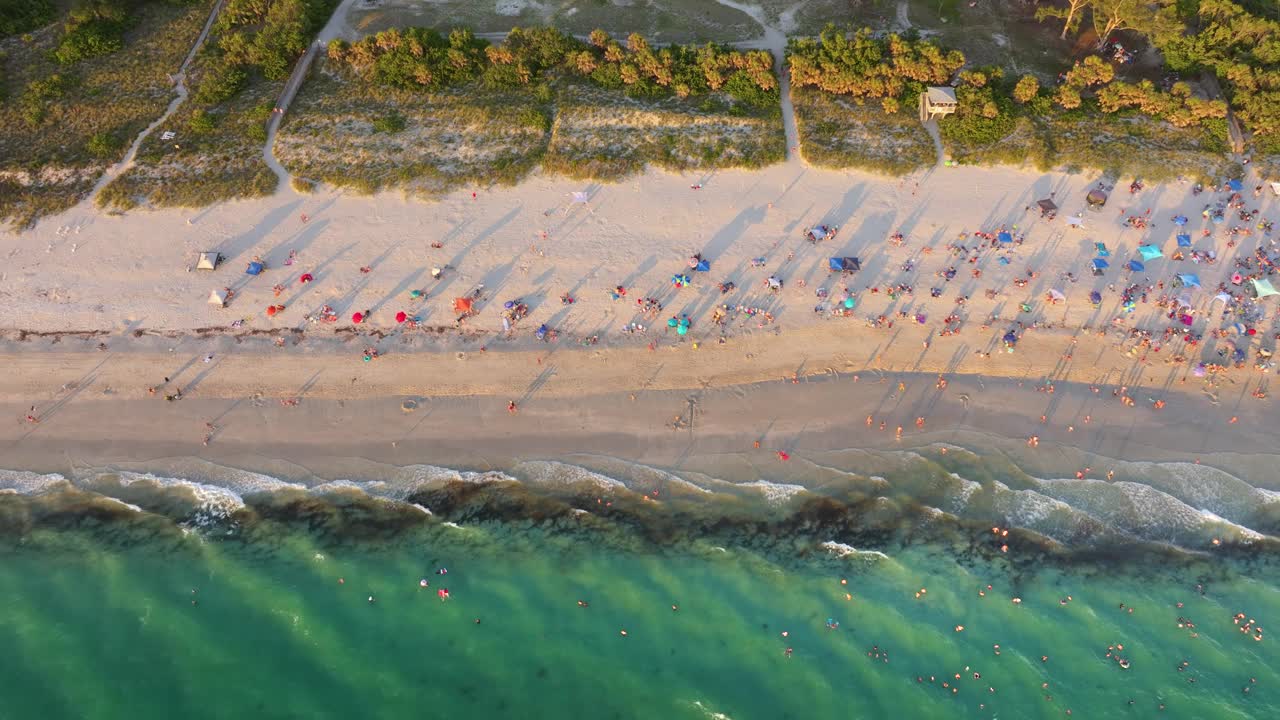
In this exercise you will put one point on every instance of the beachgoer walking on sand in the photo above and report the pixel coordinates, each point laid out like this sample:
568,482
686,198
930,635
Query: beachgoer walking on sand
511,406
31,416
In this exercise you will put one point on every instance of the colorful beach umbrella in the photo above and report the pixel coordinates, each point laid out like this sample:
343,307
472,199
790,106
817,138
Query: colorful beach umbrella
1150,252
401,317
357,318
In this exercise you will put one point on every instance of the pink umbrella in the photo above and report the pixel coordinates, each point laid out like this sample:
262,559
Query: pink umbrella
401,317
357,318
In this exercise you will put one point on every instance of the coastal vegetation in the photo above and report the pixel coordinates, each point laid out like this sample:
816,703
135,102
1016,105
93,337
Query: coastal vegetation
469,111
218,133
76,92
1237,44
1090,119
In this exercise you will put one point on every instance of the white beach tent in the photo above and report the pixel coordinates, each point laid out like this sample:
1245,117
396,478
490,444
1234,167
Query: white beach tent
1275,188
1262,287
218,297
208,261
1076,221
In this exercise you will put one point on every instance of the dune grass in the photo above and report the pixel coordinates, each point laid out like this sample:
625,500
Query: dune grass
1121,143
837,133
367,137
62,125
215,154
604,135
349,133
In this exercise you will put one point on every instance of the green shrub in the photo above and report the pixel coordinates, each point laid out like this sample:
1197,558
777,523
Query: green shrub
391,123
221,83
201,123
103,145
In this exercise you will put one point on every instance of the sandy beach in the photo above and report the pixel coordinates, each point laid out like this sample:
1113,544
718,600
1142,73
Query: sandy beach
99,310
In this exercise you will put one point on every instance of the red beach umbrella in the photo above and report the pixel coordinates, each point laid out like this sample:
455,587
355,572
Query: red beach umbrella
401,317
306,278
357,318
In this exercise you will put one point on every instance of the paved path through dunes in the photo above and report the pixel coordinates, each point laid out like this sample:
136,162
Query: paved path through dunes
337,26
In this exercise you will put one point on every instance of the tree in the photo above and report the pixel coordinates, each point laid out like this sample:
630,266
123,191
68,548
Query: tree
1026,89
1072,14
1113,15
1068,97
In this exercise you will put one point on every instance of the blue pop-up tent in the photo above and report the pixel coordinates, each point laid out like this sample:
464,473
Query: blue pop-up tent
1136,266
1235,185
1180,220
1189,280
1150,252
702,266
1100,264
254,268
1102,249
844,264
1184,240
1005,237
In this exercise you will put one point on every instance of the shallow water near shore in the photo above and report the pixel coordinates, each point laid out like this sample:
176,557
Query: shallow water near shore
232,594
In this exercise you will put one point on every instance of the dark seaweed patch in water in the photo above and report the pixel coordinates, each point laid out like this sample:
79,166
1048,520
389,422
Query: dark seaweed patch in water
519,517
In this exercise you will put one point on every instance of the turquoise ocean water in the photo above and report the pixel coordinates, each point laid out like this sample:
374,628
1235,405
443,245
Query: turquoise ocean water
219,594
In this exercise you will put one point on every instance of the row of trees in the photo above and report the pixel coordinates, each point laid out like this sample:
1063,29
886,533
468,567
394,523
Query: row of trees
864,65
423,59
268,36
1241,47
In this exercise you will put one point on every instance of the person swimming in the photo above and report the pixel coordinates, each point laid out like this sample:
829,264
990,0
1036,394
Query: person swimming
423,583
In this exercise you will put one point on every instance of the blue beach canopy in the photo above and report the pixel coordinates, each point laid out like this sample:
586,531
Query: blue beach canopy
1102,250
836,264
1235,185
1150,252
1184,240
1005,237
254,268
1189,280
1136,266
702,266
1099,264
1180,220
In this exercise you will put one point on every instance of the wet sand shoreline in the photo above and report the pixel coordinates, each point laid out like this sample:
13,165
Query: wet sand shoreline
629,403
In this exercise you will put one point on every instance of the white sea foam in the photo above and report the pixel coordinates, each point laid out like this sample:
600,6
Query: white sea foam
425,510
29,483
548,472
453,525
213,502
118,501
842,550
708,712
775,493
